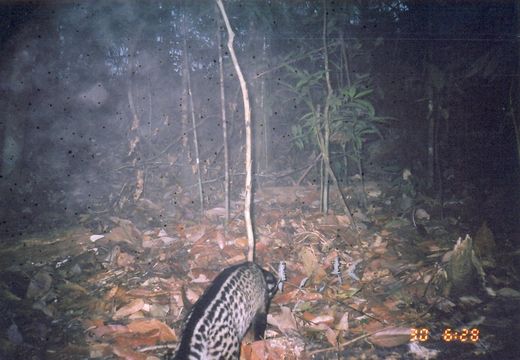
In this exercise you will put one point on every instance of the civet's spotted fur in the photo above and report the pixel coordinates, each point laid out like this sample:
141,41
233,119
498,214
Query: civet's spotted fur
238,298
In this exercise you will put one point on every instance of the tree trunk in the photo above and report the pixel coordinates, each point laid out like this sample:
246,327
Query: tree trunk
224,122
249,145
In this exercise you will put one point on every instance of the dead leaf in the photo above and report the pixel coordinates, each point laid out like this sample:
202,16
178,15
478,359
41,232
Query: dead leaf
286,348
135,306
126,232
135,341
166,334
254,351
127,353
391,337
343,220
103,330
146,293
192,296
284,320
380,311
343,323
420,352
97,351
234,255
309,261
111,293
95,238
125,260
195,233
201,275
319,319
332,336
241,242
297,295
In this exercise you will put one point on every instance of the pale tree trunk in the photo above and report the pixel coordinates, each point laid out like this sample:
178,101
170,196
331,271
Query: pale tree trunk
247,121
224,123
184,85
195,136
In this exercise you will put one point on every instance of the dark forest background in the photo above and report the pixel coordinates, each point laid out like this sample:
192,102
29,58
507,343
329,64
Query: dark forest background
95,104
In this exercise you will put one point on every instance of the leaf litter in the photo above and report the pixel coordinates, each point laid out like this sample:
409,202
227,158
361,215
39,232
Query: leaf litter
352,292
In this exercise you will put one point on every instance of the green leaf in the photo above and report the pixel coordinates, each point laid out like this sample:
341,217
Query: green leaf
363,93
366,105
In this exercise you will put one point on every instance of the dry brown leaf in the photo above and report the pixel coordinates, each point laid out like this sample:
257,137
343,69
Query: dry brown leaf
308,316
296,294
343,220
329,219
309,261
391,337
195,233
241,242
201,275
111,293
380,312
146,293
192,296
319,319
254,351
234,255
126,232
92,323
135,341
309,296
284,320
204,253
166,334
332,336
421,352
134,306
343,322
369,276
263,350
220,239
286,297
264,246
311,265
273,349
372,326
97,351
127,353
104,330
125,260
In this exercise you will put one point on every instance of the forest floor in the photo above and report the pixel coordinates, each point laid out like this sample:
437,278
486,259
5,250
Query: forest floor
380,286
